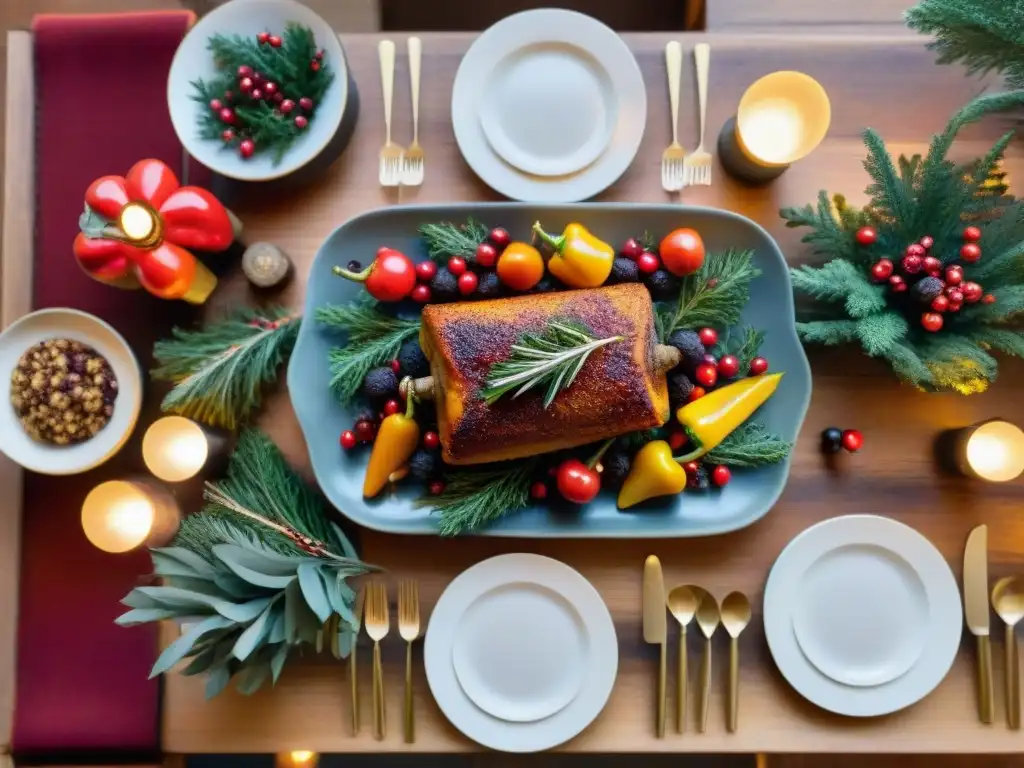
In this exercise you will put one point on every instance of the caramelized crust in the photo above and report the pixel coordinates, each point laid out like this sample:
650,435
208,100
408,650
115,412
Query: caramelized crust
616,391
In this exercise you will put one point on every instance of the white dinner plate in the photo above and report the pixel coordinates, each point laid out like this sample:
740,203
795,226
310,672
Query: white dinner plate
520,653
862,615
549,106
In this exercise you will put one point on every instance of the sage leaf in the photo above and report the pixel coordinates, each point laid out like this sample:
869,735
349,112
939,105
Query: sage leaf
263,561
188,558
144,616
337,600
176,651
237,588
293,605
217,680
313,590
241,613
254,634
277,634
346,545
277,661
137,599
250,678
253,577
169,566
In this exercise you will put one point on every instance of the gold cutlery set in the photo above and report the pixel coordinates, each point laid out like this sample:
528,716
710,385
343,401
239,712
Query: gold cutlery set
686,604
1007,601
401,165
373,610
679,169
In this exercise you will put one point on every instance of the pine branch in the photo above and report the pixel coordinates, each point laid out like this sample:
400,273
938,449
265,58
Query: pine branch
751,445
474,498
553,357
219,370
1009,304
744,343
908,365
877,333
713,296
840,280
373,339
1003,340
829,332
827,236
445,240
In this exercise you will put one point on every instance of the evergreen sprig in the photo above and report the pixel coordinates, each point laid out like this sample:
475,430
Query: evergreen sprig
713,296
910,198
742,342
373,338
750,445
257,574
475,498
445,239
219,370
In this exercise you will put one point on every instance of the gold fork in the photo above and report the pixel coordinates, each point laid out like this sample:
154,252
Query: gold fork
697,165
353,669
412,163
409,629
377,624
390,172
672,157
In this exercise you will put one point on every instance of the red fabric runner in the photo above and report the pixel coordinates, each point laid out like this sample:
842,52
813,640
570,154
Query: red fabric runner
82,682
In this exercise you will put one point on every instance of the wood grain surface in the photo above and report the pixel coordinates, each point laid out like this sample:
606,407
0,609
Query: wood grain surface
890,83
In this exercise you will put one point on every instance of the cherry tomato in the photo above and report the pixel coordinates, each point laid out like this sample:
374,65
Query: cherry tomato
426,270
520,266
431,440
391,277
682,252
456,265
420,294
577,482
467,283
648,263
348,440
486,255
721,475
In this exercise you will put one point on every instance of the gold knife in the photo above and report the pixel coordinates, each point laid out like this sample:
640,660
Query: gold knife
656,629
976,614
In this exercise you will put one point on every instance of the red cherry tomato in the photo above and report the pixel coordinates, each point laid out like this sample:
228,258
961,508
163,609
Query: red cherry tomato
348,440
758,366
708,336
426,270
577,482
467,283
696,394
420,294
500,237
706,375
682,252
721,475
486,255
391,276
456,265
852,440
431,440
539,490
648,262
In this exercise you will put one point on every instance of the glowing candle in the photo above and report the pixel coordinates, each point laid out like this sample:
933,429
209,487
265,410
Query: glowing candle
175,448
992,451
139,224
780,119
122,515
297,758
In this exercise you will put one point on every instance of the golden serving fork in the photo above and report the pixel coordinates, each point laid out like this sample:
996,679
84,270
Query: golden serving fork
672,157
697,165
409,629
412,162
353,668
377,624
390,172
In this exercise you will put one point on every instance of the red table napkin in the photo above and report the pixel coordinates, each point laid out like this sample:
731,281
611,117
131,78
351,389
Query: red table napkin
82,682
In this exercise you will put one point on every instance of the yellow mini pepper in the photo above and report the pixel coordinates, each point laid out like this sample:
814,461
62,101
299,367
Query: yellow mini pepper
396,442
710,419
654,472
580,260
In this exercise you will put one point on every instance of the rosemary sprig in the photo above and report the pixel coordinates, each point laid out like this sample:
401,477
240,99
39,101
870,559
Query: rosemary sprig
553,357
374,338
445,240
713,296
474,498
751,445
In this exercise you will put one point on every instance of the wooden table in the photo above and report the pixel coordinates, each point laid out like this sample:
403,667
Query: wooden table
890,83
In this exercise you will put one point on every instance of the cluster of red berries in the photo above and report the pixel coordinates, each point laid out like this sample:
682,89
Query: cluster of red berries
647,262
486,256
947,291
707,374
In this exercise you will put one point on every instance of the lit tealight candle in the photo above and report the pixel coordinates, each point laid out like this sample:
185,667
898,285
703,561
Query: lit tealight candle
781,118
123,515
992,451
139,224
176,449
297,758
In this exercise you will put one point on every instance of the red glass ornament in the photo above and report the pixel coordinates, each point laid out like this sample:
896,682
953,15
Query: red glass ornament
319,55
256,94
306,103
911,264
229,95
486,255
972,234
275,41
227,115
468,282
696,394
988,298
245,85
881,270
348,440
247,147
915,249
955,306
721,475
278,98
426,270
257,77
706,375
500,237
245,71
972,292
970,252
927,242
420,294
648,263
866,235
940,303
262,37
270,88
539,490
228,135
431,440
853,440
314,65
286,106
728,366
932,266
758,366
931,321
954,275
301,121
954,294
216,104
708,336
897,284
456,265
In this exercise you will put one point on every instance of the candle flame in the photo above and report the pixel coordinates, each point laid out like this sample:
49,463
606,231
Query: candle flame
137,222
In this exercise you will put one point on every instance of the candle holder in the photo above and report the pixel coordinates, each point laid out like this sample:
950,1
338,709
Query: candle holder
991,450
781,118
176,449
124,515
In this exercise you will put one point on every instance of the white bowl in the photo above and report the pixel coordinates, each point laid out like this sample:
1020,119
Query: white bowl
72,324
193,61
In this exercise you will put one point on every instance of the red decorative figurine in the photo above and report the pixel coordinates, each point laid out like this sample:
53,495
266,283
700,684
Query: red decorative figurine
136,230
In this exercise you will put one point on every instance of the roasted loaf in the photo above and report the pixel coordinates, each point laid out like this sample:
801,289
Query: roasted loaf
618,390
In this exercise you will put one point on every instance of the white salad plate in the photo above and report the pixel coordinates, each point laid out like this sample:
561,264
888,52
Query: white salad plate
59,323
862,615
521,653
549,106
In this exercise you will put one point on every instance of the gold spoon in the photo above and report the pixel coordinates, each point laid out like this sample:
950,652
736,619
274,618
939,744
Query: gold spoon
1008,602
707,620
682,603
735,617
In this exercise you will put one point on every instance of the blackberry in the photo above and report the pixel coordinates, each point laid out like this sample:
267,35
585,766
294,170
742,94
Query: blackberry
412,361
624,271
679,389
424,464
444,286
547,284
381,384
689,343
926,289
699,480
662,284
489,286
616,467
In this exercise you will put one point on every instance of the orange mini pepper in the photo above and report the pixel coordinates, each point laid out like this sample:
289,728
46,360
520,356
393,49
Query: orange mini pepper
396,442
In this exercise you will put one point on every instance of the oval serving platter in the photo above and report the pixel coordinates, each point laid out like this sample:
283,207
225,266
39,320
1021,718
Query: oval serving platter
749,496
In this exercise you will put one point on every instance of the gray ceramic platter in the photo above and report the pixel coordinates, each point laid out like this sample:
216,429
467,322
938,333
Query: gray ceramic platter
749,496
